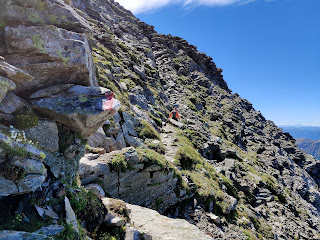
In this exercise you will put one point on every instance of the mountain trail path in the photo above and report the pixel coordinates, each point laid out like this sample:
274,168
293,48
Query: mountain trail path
168,139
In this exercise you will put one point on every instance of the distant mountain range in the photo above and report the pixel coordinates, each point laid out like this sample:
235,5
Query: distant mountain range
309,146
299,131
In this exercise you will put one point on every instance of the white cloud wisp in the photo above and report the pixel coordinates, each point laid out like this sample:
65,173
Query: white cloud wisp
140,6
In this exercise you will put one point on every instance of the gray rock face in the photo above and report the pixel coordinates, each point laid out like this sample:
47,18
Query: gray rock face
121,143
157,227
45,134
8,187
47,92
97,139
81,113
19,174
132,234
141,184
30,183
92,91
11,103
129,133
46,213
260,162
66,56
63,167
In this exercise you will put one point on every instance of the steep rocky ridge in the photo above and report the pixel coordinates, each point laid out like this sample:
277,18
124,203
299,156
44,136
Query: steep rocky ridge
227,170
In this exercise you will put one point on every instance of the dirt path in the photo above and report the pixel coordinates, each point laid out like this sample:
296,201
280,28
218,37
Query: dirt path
168,140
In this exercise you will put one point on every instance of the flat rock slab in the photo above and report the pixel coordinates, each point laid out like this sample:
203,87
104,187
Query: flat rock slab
47,92
158,227
175,123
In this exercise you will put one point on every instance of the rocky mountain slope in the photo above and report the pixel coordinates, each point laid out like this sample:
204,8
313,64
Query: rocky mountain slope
225,171
309,146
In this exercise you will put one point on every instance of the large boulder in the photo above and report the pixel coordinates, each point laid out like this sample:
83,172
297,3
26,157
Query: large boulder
82,109
64,56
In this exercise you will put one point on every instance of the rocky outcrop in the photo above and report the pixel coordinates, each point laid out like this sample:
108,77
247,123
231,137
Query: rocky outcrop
82,109
145,179
30,46
21,169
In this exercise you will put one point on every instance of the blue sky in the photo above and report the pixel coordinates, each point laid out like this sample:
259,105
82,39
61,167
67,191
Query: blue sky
269,49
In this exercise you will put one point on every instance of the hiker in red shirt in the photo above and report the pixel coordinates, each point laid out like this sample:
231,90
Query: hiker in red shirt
175,115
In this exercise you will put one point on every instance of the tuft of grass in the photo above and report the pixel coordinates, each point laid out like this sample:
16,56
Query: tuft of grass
15,151
147,131
119,164
151,157
158,121
159,148
187,157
